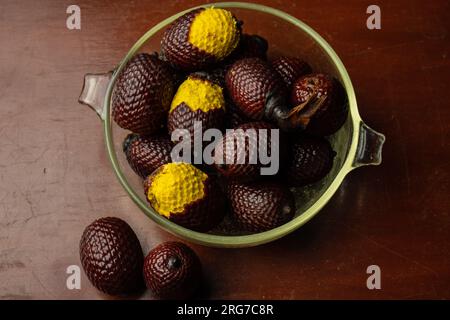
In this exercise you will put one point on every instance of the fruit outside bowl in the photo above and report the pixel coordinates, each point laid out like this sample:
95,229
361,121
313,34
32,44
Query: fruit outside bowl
355,143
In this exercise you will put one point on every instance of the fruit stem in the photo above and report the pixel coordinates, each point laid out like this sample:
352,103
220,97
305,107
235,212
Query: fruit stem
299,116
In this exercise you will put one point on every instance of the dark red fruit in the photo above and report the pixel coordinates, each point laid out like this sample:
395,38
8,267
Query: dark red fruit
112,257
290,69
259,92
142,94
332,113
218,74
234,116
261,206
250,46
252,84
172,270
310,160
145,154
182,54
240,144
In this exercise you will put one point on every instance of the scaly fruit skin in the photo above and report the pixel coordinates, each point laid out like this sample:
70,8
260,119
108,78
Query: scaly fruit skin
228,149
261,206
172,270
250,46
234,117
255,87
112,257
145,154
186,196
332,113
142,95
200,38
310,160
197,99
290,69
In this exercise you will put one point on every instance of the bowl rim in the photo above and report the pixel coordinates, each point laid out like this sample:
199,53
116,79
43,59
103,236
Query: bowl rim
235,241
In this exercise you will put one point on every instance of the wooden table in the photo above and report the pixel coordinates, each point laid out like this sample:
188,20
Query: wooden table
56,178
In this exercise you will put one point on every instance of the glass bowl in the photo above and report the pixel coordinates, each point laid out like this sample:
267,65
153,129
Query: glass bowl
355,143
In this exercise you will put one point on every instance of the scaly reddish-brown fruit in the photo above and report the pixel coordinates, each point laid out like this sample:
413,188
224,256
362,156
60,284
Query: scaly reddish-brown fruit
200,38
250,46
261,206
234,117
145,154
142,94
332,113
310,159
233,153
172,270
259,92
112,257
186,196
290,69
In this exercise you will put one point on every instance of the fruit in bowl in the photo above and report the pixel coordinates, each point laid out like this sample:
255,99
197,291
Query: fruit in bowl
279,94
293,82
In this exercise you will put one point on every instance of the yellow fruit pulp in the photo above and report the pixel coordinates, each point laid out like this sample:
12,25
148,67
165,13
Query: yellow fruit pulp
199,94
174,187
214,31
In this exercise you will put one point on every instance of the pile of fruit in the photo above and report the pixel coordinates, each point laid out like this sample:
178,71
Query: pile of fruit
112,258
209,71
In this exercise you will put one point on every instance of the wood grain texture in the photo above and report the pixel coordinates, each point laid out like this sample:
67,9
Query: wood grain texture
55,177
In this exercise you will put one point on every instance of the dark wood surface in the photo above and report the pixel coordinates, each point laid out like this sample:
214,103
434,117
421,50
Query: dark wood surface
55,177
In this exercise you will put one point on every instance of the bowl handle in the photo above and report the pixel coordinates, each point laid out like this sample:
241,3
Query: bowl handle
370,145
94,91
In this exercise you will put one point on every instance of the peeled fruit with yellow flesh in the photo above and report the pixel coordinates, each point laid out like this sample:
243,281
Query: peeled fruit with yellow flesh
200,38
198,99
185,195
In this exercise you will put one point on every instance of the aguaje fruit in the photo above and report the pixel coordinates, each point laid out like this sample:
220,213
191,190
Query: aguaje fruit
259,91
310,160
236,154
290,68
197,99
200,38
142,95
185,195
332,113
172,270
145,154
250,46
234,116
251,82
261,206
112,257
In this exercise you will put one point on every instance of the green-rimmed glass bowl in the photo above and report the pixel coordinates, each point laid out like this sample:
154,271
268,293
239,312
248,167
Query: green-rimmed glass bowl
355,143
